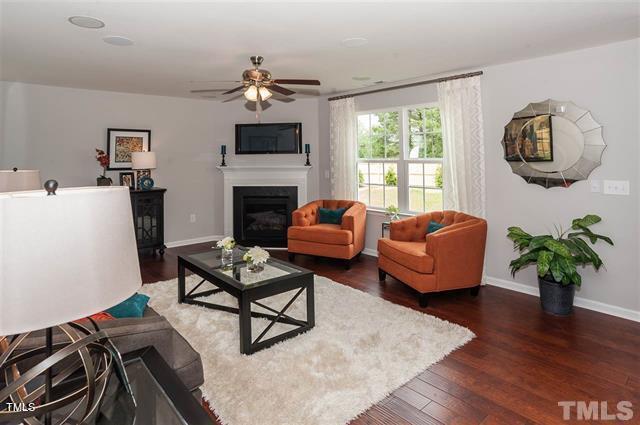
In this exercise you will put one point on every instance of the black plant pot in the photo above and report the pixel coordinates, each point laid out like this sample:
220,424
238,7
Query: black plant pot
556,298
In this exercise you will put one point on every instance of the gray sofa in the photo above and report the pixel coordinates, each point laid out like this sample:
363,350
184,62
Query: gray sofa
132,334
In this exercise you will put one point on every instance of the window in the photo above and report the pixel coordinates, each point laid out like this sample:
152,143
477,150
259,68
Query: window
378,156
400,159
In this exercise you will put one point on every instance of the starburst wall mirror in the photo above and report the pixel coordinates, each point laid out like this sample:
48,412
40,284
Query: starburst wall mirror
553,143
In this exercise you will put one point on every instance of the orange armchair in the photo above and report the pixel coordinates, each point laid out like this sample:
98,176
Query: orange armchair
343,241
450,258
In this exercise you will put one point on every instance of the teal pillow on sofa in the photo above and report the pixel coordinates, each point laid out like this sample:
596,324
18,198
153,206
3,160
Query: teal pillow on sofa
434,227
328,216
131,307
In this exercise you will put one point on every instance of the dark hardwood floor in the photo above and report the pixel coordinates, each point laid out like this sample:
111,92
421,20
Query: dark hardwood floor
517,369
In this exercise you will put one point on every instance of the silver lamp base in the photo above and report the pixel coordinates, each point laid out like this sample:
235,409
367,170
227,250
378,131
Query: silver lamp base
86,353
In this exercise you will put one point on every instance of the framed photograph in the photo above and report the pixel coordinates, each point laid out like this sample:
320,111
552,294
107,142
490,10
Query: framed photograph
127,179
529,139
121,142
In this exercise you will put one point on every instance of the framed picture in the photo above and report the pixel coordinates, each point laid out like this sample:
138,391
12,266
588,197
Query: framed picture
121,142
529,139
127,179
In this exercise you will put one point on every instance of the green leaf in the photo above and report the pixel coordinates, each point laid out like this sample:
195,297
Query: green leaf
593,237
585,221
544,262
557,247
538,241
592,256
556,269
577,279
518,231
520,262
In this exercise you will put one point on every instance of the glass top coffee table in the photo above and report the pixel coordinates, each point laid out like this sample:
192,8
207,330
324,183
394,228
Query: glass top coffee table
249,288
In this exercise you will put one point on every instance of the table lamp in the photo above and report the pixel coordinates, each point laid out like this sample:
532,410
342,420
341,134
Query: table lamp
17,180
143,163
65,255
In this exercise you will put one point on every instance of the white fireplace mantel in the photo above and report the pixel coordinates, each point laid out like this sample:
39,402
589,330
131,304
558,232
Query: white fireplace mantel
261,175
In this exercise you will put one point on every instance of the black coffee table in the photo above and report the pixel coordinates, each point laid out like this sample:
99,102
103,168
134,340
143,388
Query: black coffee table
249,288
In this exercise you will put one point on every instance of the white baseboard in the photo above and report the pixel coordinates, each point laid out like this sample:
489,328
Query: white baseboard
371,252
613,310
201,239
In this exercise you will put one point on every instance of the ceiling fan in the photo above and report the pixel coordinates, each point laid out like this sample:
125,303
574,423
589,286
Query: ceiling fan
258,84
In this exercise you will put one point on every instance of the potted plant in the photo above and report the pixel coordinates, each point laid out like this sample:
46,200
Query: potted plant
392,212
103,160
557,260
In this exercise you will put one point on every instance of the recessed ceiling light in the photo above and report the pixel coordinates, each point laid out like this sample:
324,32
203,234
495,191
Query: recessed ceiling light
361,78
117,40
86,22
354,42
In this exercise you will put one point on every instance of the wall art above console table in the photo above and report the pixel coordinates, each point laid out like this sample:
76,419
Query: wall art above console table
553,143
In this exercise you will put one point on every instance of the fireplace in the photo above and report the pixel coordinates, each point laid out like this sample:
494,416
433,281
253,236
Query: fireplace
262,214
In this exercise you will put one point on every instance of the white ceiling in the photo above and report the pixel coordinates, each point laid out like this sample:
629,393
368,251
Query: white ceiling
180,46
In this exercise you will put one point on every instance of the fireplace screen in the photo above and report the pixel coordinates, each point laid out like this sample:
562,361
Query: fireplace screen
261,215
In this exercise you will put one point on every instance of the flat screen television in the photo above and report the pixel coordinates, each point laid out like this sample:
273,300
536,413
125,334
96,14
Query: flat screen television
268,138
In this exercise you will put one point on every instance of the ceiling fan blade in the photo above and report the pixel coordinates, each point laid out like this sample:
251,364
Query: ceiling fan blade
308,92
207,90
213,81
231,99
282,98
234,90
300,82
281,90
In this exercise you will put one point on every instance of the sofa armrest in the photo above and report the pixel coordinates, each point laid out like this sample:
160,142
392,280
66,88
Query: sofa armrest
306,215
355,220
458,253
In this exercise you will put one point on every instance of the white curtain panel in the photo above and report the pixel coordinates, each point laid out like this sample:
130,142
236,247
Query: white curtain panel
463,140
343,136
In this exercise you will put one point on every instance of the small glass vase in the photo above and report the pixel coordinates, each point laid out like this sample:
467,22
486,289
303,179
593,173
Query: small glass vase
227,256
254,267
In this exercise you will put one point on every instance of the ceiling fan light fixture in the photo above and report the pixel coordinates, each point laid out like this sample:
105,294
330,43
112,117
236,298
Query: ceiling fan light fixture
264,93
251,93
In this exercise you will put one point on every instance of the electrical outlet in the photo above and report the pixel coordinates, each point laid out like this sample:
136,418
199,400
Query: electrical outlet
595,186
192,218
326,174
616,187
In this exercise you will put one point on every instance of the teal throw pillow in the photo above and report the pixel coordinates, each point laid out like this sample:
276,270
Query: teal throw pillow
434,227
131,307
328,216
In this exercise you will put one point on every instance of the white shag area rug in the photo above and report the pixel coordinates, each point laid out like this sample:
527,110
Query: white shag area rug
361,349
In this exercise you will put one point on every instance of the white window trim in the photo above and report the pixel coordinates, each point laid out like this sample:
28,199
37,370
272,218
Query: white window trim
403,161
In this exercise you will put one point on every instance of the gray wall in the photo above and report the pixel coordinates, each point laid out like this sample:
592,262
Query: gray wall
605,81
56,130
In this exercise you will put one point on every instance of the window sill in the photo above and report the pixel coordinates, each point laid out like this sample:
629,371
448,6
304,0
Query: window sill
382,213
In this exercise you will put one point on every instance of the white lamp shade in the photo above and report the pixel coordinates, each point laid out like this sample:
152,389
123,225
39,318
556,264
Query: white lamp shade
143,160
265,94
64,257
251,93
15,181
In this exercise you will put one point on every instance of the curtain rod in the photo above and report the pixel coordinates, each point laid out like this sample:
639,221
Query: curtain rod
404,86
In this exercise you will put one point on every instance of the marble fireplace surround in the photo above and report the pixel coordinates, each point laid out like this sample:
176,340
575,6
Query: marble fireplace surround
256,175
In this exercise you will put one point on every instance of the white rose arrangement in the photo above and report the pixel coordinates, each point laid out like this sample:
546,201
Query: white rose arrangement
226,243
257,255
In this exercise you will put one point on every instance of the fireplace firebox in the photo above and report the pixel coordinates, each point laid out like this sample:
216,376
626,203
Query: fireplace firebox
262,214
